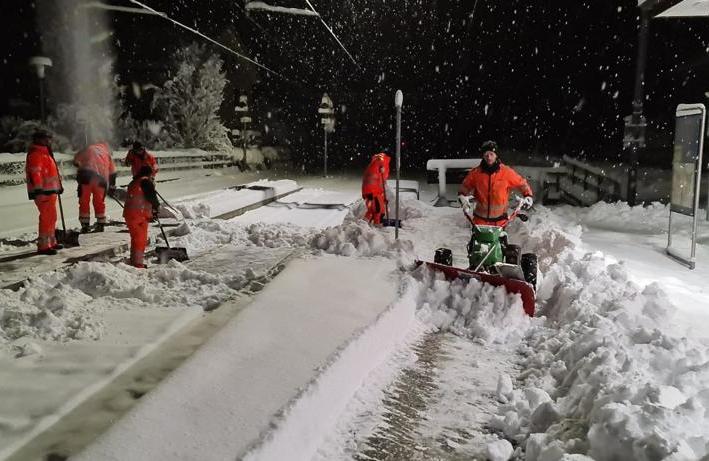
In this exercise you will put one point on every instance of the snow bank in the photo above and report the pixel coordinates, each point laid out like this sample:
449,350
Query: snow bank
67,304
471,309
603,377
619,216
356,237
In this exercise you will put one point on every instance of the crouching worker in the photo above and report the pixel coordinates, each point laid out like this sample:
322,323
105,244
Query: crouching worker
140,207
373,184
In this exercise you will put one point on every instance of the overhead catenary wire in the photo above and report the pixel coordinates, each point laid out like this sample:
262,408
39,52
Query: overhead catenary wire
195,31
310,5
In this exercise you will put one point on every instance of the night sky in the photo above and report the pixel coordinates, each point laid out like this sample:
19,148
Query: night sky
545,77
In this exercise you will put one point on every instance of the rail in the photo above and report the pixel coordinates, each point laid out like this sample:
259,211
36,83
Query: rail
584,184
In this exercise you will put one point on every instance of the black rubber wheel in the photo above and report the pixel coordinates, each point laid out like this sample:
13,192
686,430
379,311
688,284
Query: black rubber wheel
529,268
443,256
512,253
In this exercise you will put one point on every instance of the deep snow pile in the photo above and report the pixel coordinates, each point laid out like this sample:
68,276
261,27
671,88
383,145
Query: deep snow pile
645,219
603,377
66,304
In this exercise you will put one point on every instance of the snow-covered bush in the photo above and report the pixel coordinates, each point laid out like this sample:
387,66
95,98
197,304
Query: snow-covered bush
16,134
189,101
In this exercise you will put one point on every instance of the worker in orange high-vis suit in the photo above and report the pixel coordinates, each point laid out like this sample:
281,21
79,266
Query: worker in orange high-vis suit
95,173
140,207
139,157
43,186
490,184
373,187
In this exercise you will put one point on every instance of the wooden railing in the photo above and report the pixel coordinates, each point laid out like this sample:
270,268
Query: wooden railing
584,184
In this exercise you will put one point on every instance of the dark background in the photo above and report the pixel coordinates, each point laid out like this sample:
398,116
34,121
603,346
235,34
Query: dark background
543,78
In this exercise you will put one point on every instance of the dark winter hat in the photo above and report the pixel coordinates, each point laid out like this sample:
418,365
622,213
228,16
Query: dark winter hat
41,134
137,146
489,146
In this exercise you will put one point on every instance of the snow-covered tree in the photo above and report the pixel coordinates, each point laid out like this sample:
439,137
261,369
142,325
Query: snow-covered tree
189,101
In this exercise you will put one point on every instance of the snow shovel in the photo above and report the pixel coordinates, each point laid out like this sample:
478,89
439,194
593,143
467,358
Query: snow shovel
68,238
167,253
386,221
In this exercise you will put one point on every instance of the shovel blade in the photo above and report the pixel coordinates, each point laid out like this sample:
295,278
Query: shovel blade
165,254
68,238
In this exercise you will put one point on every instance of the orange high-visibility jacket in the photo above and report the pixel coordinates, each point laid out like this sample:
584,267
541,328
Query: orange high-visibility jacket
141,199
492,191
375,175
41,172
136,162
96,161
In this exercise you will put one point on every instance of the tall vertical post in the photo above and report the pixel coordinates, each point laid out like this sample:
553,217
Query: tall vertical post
637,128
398,102
325,166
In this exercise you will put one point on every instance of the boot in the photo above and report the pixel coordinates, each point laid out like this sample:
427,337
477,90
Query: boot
47,251
85,228
58,246
99,227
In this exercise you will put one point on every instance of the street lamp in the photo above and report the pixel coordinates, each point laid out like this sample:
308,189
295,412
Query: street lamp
327,118
243,108
398,102
39,63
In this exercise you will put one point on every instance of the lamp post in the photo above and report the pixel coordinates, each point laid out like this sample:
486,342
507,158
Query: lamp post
327,118
40,63
635,124
243,109
398,102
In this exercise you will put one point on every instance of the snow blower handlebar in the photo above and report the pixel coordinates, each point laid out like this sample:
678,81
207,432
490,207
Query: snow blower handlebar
516,213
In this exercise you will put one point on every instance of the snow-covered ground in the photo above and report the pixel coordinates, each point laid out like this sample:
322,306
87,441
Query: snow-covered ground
615,365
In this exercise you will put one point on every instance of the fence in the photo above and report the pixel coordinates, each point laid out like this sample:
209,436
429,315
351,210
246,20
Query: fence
584,184
12,166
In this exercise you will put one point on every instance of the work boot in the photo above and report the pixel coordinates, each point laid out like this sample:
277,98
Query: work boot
85,228
99,227
58,246
47,251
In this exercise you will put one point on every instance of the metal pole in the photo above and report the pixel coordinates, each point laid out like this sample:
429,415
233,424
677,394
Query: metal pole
398,101
243,143
41,100
325,166
638,106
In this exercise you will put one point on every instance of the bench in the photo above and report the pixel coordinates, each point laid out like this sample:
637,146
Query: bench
445,171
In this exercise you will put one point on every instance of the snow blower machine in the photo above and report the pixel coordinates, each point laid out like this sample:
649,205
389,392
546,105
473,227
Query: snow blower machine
494,261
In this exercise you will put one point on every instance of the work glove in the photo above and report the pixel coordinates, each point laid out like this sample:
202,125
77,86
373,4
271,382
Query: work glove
112,191
465,203
527,202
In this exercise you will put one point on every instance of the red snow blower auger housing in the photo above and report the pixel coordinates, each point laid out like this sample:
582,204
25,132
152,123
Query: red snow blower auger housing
494,261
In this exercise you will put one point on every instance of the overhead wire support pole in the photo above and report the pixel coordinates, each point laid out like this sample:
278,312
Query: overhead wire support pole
195,31
310,5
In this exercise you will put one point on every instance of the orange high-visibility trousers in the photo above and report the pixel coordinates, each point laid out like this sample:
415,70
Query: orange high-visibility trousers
138,229
376,206
47,206
485,222
86,191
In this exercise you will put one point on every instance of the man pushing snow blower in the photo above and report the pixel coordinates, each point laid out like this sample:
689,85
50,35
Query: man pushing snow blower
491,259
490,185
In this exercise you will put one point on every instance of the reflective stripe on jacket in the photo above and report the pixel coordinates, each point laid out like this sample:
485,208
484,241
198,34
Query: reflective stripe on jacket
136,162
492,191
41,172
375,175
137,205
96,161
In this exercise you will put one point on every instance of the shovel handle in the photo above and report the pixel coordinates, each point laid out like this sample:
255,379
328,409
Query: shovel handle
163,232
